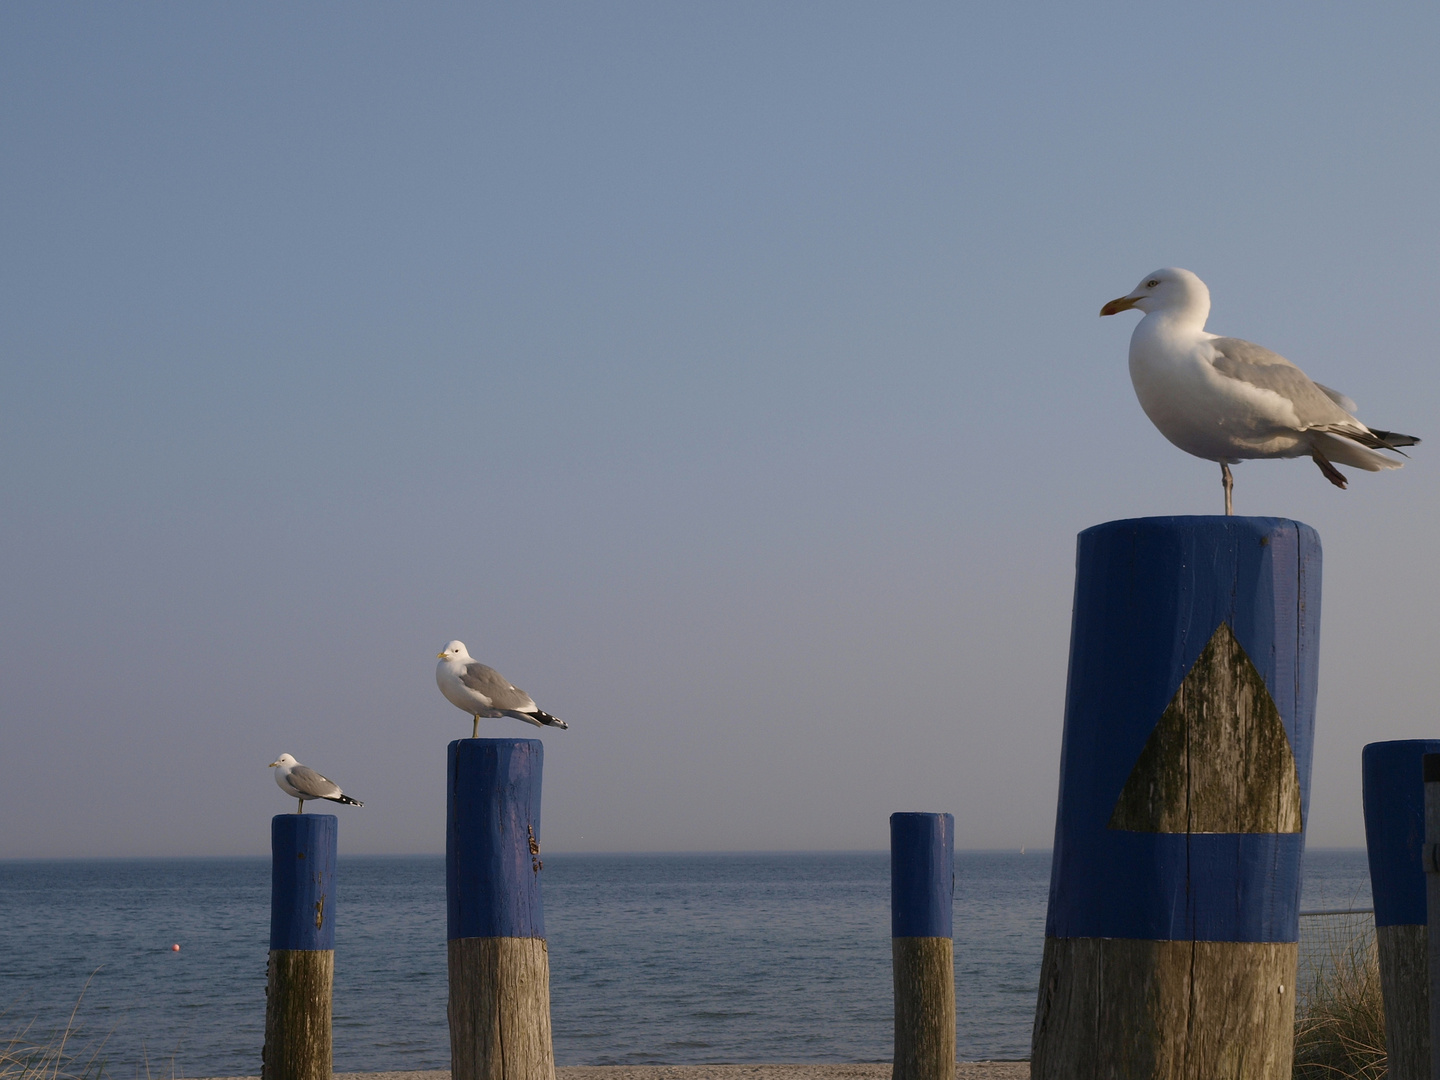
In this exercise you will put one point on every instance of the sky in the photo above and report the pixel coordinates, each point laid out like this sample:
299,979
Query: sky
729,376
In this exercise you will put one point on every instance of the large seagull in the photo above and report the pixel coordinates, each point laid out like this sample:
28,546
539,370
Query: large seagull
1225,400
482,691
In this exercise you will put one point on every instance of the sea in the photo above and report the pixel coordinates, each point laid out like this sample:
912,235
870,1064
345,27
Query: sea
654,959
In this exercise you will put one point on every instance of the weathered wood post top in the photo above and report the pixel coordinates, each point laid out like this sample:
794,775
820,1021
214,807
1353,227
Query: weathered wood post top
1184,785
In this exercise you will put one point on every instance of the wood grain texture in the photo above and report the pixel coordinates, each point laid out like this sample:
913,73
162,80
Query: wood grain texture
924,970
1122,1009
500,1009
1405,985
1218,761
298,989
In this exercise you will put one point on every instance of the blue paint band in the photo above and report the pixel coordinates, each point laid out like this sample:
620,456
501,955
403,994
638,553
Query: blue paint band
492,839
302,881
1149,595
1394,796
922,875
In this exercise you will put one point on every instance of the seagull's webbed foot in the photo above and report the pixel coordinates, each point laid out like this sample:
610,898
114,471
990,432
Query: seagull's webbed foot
1228,483
1334,475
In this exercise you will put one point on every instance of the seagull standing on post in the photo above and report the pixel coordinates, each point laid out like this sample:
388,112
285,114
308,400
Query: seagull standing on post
303,782
1225,400
482,691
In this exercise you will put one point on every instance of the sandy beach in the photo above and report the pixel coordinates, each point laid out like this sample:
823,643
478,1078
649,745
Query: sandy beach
965,1070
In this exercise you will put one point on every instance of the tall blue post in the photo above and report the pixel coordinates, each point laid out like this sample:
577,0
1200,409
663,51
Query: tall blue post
1170,945
499,964
1430,862
301,972
922,897
1394,795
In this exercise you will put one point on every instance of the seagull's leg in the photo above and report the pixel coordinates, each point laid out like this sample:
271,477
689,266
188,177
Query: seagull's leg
1334,475
475,727
299,806
1228,483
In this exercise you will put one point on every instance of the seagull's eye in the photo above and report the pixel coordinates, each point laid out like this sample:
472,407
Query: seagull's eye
1152,283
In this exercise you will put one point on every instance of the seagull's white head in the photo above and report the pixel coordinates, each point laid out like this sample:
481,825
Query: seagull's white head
284,759
454,651
1178,293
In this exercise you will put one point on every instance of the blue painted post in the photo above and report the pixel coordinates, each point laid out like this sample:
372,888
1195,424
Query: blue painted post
1394,795
499,964
1430,861
1170,945
301,972
922,897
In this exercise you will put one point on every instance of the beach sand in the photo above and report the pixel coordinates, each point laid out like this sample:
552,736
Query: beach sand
966,1070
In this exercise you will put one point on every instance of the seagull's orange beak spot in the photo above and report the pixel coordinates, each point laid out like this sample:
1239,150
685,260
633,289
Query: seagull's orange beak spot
1114,307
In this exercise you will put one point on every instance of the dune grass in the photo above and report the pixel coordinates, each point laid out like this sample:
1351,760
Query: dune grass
25,1055
1340,1017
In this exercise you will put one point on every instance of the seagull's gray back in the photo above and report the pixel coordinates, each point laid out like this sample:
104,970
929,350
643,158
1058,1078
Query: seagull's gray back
1256,365
309,782
486,680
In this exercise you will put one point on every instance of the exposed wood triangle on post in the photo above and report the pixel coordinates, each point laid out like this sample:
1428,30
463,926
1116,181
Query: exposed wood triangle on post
1219,760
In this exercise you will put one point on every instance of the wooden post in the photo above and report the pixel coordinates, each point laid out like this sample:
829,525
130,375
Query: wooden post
1431,773
499,965
1170,942
922,896
1394,799
302,948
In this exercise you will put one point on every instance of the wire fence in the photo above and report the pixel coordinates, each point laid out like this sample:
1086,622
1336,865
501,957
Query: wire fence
1330,939
1339,1016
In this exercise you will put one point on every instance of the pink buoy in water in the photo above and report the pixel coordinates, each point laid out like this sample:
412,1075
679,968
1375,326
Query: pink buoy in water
174,948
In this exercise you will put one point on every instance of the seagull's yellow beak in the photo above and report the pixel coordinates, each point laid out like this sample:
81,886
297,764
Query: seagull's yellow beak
439,656
272,764
1114,307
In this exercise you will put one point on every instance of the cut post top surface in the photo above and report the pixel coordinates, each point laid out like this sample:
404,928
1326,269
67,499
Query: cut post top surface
922,875
1394,802
492,838
302,881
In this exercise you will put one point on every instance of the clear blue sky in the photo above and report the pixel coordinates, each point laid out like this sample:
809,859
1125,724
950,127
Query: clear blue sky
727,375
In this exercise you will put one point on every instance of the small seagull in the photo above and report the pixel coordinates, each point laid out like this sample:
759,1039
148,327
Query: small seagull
1225,400
303,782
482,691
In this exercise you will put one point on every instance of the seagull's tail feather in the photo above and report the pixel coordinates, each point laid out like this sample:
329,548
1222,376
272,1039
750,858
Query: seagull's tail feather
346,799
1345,448
1391,440
539,718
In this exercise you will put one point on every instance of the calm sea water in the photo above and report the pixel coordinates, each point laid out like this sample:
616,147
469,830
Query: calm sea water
654,958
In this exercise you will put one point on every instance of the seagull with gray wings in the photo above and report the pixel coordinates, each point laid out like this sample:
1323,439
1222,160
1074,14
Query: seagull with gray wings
1226,400
482,691
302,782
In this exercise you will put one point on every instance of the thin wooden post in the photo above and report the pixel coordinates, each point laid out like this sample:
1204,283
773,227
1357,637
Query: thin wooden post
499,965
1170,947
1431,772
301,971
1394,798
922,896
